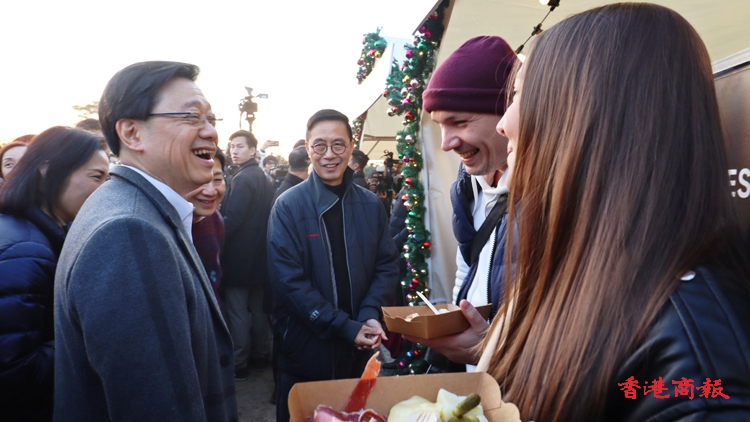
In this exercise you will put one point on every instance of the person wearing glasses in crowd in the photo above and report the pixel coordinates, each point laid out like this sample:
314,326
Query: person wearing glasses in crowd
333,263
138,333
243,262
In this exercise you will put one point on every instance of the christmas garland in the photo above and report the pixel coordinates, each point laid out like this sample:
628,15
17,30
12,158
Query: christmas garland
357,125
404,93
374,46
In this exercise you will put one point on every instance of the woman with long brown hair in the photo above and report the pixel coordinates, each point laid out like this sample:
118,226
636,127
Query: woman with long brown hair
629,285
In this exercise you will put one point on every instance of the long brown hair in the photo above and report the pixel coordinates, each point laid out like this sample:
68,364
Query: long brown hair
621,187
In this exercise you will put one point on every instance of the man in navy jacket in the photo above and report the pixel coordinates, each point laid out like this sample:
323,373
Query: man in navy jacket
138,331
332,263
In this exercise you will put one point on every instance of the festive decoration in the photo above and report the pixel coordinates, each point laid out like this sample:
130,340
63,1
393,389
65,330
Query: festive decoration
374,46
357,125
404,88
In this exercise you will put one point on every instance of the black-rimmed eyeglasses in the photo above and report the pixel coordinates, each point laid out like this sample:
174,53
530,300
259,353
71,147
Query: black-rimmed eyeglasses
195,119
338,148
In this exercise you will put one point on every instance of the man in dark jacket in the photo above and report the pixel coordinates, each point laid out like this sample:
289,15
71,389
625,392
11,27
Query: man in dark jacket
245,210
298,170
333,265
138,332
357,162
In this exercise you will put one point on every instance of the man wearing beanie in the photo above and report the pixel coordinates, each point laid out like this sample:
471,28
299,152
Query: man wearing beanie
466,96
299,162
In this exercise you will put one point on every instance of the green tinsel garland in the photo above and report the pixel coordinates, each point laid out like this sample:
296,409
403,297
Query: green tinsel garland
374,46
404,93
357,125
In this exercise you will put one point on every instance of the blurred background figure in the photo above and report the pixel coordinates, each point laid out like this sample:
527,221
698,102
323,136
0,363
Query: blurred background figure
208,227
9,156
60,169
299,164
93,126
357,163
269,163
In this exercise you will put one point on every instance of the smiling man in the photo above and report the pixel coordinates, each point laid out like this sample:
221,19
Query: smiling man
466,96
138,332
333,265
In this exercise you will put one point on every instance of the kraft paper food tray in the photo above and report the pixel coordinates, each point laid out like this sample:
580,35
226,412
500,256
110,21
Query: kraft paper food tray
304,398
427,324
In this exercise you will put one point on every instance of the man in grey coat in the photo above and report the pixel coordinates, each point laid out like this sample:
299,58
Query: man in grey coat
139,335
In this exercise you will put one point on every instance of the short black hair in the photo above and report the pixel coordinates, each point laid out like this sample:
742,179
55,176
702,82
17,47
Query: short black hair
360,158
60,151
222,158
133,93
252,142
89,125
298,159
299,143
270,158
327,115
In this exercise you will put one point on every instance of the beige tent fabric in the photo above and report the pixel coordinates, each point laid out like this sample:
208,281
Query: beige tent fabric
440,169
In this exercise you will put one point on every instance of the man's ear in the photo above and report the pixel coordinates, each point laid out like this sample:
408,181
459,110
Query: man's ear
130,131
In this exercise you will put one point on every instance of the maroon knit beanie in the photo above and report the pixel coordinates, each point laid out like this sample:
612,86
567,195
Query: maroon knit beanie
473,78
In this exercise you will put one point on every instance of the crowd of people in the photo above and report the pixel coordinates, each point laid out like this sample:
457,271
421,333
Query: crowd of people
143,271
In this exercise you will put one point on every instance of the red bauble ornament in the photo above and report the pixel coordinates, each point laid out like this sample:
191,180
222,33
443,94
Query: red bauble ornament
408,115
414,281
426,245
408,181
404,198
372,52
385,93
434,16
427,34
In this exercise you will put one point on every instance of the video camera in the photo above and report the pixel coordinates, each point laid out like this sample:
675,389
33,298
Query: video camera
278,173
388,181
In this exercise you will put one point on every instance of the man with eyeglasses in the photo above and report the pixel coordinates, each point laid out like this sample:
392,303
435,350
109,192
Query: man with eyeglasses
138,331
246,207
332,264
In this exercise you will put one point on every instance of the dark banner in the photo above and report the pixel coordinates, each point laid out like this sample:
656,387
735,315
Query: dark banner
733,90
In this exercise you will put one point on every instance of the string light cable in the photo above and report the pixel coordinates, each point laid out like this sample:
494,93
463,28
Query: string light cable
553,4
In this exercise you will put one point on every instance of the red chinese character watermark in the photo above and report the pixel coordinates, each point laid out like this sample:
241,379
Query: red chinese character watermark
629,387
714,389
657,387
683,387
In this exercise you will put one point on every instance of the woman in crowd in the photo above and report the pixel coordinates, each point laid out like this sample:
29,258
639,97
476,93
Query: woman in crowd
208,227
9,156
60,169
630,286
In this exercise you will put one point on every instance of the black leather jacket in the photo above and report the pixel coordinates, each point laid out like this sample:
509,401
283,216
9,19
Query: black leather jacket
703,331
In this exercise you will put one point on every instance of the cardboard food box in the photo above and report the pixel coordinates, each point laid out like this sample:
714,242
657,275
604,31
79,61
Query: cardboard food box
427,324
388,391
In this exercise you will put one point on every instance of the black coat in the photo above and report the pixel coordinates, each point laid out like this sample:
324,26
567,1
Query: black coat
289,181
245,209
29,249
702,331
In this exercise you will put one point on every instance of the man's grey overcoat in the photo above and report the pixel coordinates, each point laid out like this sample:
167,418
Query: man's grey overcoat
138,332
